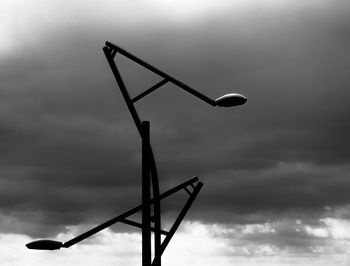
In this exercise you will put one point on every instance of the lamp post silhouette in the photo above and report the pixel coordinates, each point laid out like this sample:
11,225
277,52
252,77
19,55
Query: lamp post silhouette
149,169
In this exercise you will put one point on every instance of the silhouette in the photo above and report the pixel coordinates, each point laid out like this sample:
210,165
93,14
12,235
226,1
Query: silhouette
150,223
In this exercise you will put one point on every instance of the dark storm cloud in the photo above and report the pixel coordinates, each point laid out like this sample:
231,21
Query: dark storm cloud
71,153
293,190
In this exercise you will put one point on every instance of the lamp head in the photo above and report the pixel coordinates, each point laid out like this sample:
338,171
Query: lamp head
231,99
44,244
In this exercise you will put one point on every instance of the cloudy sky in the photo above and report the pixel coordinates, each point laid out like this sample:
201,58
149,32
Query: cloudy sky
276,171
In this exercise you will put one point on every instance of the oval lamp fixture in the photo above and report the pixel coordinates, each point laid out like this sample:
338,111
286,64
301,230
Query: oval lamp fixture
231,99
44,244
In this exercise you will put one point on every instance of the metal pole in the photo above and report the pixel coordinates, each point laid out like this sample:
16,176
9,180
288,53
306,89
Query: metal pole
156,211
146,196
161,73
126,214
110,58
181,216
149,169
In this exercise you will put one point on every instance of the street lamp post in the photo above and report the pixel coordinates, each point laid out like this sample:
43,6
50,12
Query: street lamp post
148,162
150,223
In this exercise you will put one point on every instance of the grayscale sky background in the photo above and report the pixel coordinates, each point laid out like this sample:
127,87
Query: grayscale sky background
275,171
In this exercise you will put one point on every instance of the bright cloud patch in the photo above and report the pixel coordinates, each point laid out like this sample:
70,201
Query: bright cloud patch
338,228
199,244
283,242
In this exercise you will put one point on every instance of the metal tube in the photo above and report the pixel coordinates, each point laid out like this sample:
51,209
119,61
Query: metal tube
156,211
122,87
146,196
181,216
138,225
128,213
146,92
163,74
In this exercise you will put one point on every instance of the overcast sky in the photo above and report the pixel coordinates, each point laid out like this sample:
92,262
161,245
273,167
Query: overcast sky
276,171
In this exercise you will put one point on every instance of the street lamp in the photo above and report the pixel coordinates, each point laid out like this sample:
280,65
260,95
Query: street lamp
149,169
231,99
45,244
